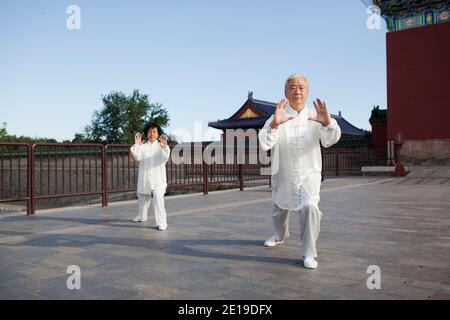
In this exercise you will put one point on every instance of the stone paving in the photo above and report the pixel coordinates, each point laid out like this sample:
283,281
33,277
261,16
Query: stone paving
214,249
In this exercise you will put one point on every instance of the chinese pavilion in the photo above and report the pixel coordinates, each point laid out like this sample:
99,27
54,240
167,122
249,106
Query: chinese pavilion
254,113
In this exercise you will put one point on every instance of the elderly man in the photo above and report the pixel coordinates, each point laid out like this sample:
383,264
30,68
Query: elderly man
152,157
295,134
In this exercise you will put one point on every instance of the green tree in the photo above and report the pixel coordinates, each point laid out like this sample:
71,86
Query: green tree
122,116
79,138
3,132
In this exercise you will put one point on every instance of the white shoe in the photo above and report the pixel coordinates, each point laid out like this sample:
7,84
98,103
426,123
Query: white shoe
162,228
272,242
310,263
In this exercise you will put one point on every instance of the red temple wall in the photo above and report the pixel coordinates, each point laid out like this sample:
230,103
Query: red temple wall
418,82
378,138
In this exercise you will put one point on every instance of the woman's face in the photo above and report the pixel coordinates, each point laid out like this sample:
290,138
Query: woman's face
152,134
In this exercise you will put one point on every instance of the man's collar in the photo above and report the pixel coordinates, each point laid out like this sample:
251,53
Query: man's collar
293,111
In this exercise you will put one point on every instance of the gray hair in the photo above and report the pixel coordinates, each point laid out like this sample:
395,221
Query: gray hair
296,76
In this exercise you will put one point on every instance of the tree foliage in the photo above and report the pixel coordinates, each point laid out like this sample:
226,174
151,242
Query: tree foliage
121,117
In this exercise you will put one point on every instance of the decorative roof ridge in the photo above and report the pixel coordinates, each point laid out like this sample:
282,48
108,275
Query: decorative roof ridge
266,102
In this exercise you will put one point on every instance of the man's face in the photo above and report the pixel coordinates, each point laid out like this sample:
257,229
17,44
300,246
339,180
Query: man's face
297,91
152,134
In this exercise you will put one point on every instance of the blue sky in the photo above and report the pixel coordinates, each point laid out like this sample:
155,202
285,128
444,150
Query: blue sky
198,58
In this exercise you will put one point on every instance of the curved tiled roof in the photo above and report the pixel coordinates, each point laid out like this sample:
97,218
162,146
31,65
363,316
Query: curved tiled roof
268,108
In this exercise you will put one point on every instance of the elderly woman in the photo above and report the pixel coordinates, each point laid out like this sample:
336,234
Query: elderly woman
152,183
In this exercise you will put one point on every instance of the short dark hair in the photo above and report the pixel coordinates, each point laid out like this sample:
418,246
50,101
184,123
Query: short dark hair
151,125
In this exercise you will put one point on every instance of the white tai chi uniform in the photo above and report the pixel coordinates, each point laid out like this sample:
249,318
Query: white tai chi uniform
151,179
296,172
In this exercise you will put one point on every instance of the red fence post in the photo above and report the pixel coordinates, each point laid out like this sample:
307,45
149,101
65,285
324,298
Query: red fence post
205,177
104,178
30,181
337,163
241,178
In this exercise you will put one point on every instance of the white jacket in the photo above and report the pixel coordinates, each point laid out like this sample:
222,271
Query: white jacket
152,166
296,156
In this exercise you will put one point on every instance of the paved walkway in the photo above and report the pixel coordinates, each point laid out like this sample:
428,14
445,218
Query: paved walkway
213,248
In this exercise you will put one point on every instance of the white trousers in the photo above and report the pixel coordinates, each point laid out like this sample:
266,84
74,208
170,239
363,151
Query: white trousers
144,201
310,217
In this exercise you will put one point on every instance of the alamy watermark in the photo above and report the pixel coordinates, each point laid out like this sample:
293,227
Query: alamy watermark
373,22
74,280
374,280
237,147
73,22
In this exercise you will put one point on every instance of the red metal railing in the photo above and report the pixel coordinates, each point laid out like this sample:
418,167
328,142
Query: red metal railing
15,178
57,170
122,175
350,161
66,170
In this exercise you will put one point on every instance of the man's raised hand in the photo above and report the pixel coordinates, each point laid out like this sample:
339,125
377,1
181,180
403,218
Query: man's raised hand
280,116
323,116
